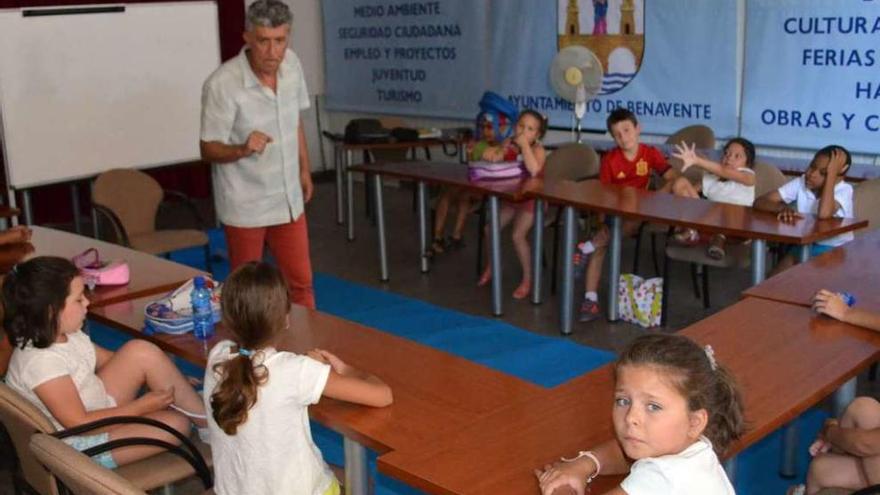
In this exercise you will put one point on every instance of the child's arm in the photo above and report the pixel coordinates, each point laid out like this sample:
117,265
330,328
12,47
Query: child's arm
772,202
689,158
5,353
534,158
351,384
831,304
61,398
827,204
575,474
19,233
854,441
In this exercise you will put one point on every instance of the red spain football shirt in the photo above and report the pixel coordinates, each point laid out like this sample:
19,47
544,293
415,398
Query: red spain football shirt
616,169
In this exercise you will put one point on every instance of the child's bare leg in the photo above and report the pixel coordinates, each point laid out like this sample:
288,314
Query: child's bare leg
785,263
126,455
441,211
464,209
594,266
683,187
139,362
522,224
834,471
504,218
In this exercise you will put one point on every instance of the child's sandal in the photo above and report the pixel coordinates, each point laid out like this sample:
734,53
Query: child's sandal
438,245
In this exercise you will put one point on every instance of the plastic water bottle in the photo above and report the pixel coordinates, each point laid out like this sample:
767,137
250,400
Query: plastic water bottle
202,314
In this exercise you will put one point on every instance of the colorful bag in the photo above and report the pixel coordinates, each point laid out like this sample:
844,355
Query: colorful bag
483,170
640,300
97,272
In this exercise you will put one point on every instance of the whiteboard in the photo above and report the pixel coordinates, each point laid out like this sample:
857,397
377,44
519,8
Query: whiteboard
84,93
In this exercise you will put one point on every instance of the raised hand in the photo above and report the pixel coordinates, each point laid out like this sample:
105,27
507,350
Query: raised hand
687,155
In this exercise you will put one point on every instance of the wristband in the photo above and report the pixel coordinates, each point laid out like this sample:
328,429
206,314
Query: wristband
589,454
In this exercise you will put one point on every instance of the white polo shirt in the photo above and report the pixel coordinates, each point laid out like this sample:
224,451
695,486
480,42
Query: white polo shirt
796,191
261,189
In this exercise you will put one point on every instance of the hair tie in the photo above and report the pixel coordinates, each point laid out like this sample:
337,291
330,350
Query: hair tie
14,269
245,352
710,355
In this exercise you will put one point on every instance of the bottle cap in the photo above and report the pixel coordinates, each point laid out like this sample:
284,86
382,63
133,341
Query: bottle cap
199,282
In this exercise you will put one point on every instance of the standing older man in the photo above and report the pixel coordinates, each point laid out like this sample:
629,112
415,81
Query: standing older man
253,135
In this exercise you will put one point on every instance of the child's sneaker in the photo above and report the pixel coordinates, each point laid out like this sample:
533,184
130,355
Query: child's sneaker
589,311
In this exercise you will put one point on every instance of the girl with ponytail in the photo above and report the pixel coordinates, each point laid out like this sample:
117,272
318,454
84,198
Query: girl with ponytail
257,397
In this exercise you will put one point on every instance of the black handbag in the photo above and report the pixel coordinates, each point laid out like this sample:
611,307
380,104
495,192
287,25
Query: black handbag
365,131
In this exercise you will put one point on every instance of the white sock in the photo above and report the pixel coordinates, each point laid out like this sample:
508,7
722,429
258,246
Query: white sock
586,247
592,296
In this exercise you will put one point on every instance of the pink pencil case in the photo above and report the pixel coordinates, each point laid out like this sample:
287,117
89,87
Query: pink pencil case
98,272
483,170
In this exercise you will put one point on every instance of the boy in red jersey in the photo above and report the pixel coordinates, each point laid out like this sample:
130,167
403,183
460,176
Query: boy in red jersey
629,164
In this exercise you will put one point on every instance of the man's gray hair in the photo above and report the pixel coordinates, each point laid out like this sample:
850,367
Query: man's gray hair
267,13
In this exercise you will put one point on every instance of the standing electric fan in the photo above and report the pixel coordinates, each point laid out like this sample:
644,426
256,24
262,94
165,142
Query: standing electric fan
576,75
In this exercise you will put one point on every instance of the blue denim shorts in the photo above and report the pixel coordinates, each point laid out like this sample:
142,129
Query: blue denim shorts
815,250
83,442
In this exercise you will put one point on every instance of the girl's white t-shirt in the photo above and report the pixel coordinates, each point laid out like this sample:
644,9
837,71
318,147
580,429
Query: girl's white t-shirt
728,191
272,451
31,367
694,471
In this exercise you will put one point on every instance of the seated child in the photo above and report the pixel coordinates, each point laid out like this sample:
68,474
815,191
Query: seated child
846,453
258,397
731,181
675,409
463,199
629,164
525,146
821,191
73,381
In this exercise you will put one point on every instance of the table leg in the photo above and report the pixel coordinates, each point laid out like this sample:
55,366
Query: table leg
788,467
614,265
380,223
537,250
844,395
759,259
349,194
495,240
340,172
74,204
567,294
423,226
357,481
804,253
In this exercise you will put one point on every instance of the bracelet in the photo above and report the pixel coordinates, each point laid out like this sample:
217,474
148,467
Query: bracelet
589,454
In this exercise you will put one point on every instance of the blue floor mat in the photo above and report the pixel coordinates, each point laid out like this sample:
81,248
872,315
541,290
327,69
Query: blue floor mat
543,360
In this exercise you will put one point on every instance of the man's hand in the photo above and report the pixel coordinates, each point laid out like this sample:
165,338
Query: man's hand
256,143
305,180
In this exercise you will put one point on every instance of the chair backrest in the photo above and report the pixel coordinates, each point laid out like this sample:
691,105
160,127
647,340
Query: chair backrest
866,203
132,195
700,135
77,471
22,419
572,161
767,178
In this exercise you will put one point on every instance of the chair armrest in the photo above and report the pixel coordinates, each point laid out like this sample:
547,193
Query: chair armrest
111,217
190,205
191,454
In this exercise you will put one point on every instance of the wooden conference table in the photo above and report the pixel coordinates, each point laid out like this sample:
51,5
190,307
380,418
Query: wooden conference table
786,359
852,267
435,393
149,274
632,204
447,174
